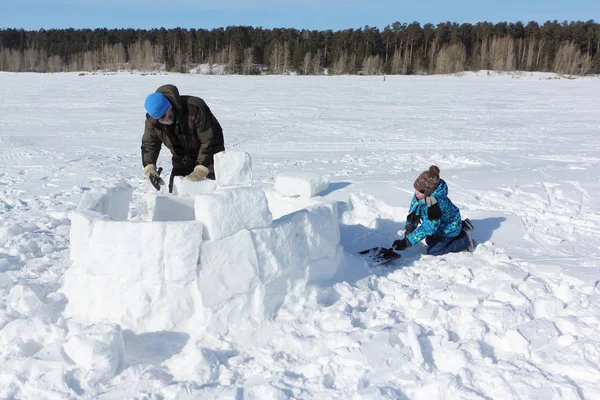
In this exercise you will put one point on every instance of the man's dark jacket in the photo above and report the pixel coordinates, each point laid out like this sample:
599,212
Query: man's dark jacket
193,138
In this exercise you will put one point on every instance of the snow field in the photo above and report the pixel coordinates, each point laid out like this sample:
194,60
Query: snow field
517,319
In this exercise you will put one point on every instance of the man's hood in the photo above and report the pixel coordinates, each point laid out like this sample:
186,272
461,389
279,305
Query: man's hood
172,93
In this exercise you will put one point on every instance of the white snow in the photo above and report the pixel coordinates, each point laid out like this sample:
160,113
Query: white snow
110,290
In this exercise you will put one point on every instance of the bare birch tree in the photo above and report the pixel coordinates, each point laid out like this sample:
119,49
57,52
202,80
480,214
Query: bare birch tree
451,59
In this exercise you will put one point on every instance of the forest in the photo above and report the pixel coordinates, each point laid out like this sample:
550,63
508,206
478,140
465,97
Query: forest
571,48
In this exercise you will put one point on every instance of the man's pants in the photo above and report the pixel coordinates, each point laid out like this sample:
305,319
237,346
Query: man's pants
438,244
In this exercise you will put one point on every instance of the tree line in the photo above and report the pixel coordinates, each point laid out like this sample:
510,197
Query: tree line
400,48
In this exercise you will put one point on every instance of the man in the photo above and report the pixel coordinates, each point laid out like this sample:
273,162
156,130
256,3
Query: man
190,131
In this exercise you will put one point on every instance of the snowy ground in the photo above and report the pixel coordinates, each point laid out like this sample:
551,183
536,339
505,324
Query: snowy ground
519,318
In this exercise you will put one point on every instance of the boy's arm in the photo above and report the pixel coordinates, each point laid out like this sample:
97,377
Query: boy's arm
412,219
429,224
427,228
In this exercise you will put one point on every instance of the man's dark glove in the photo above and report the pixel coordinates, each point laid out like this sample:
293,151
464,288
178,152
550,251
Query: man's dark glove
401,244
433,208
409,229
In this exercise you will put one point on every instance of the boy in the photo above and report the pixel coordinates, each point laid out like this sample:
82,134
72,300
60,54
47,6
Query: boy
433,217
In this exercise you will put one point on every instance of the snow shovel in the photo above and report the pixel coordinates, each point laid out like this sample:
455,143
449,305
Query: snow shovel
380,255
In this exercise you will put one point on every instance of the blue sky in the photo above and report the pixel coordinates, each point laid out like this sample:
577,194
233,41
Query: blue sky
309,14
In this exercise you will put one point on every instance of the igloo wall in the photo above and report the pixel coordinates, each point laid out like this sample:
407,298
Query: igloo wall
223,261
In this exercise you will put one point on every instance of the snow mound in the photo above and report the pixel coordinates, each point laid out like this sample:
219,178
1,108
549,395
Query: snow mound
213,261
98,353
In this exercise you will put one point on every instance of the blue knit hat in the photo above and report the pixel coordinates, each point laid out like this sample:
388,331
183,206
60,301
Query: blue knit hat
157,105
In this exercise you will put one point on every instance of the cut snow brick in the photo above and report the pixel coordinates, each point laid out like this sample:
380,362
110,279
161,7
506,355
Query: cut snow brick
283,205
171,208
184,187
304,184
135,251
228,268
233,168
112,201
141,306
228,211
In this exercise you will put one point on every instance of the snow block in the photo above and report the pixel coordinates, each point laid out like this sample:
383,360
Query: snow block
140,306
112,201
184,187
136,251
303,184
283,205
233,168
228,211
325,268
172,208
228,274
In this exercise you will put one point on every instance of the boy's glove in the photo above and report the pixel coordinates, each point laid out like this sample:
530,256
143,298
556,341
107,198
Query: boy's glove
153,176
433,208
408,229
467,225
401,244
200,172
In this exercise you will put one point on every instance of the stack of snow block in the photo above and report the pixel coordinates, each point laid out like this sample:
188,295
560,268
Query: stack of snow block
232,168
250,273
226,265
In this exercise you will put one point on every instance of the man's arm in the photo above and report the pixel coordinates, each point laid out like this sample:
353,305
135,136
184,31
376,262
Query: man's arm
151,144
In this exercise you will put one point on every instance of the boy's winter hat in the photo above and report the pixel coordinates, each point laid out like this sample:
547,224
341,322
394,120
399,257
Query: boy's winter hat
428,181
157,105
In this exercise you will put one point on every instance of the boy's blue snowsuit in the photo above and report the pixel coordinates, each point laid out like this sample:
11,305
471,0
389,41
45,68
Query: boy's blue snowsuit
442,235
